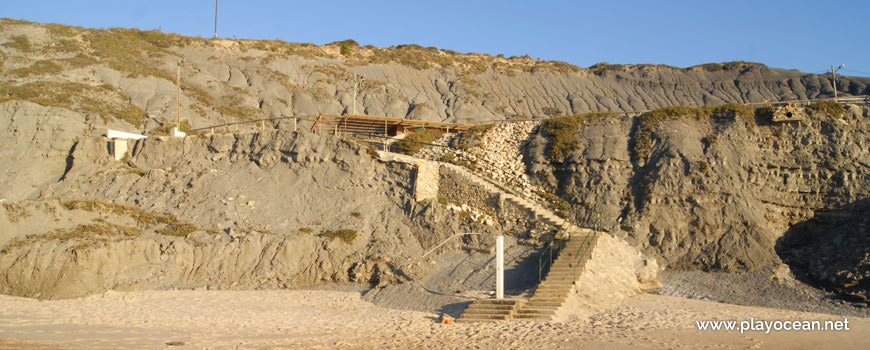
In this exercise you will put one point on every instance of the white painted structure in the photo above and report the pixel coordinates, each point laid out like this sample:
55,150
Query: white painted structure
119,142
115,134
499,267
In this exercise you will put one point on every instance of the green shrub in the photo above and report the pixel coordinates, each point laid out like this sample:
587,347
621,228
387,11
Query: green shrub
346,235
827,107
472,137
556,203
648,121
414,142
765,114
345,49
305,230
443,200
15,212
447,158
41,67
355,214
178,229
563,133
703,166
709,140
551,111
76,97
20,43
143,218
727,66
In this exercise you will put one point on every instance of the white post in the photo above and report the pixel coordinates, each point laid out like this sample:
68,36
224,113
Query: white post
354,94
499,267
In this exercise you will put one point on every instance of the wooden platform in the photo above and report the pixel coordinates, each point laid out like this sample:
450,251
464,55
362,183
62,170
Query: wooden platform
379,126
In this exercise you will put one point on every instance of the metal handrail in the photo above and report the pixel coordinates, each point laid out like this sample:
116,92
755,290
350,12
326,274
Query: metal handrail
586,246
547,248
445,241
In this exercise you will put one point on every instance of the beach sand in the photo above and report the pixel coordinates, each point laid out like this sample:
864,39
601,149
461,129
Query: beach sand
323,319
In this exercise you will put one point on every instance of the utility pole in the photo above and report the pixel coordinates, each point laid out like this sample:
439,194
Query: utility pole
178,99
834,74
215,18
354,94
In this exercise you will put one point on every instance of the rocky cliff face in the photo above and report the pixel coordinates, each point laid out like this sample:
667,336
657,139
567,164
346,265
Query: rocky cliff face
711,193
832,249
697,192
276,210
87,80
129,75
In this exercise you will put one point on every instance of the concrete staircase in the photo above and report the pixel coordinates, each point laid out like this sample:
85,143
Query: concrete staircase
536,209
490,310
426,181
554,290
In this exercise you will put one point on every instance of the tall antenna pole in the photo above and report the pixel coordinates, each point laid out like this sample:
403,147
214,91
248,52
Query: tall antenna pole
215,19
354,94
834,74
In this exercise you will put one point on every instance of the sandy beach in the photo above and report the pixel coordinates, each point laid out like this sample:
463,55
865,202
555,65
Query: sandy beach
317,319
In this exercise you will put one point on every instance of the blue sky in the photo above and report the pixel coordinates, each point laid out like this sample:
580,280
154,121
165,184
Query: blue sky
806,35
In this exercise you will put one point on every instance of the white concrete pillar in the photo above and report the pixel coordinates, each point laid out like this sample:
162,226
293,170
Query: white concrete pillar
119,149
499,267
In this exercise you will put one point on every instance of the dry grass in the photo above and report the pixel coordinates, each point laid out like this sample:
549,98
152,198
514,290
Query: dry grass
472,137
78,61
15,212
20,43
41,67
346,235
142,217
84,234
647,122
128,50
77,97
828,107
173,226
563,133
414,142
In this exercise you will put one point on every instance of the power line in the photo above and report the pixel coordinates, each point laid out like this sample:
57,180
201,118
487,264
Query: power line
855,71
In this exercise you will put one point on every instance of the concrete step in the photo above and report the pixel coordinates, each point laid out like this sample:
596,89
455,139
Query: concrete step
531,311
562,266
530,317
499,302
567,280
543,304
485,317
469,312
563,289
560,278
554,287
565,272
475,320
490,307
543,295
537,299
